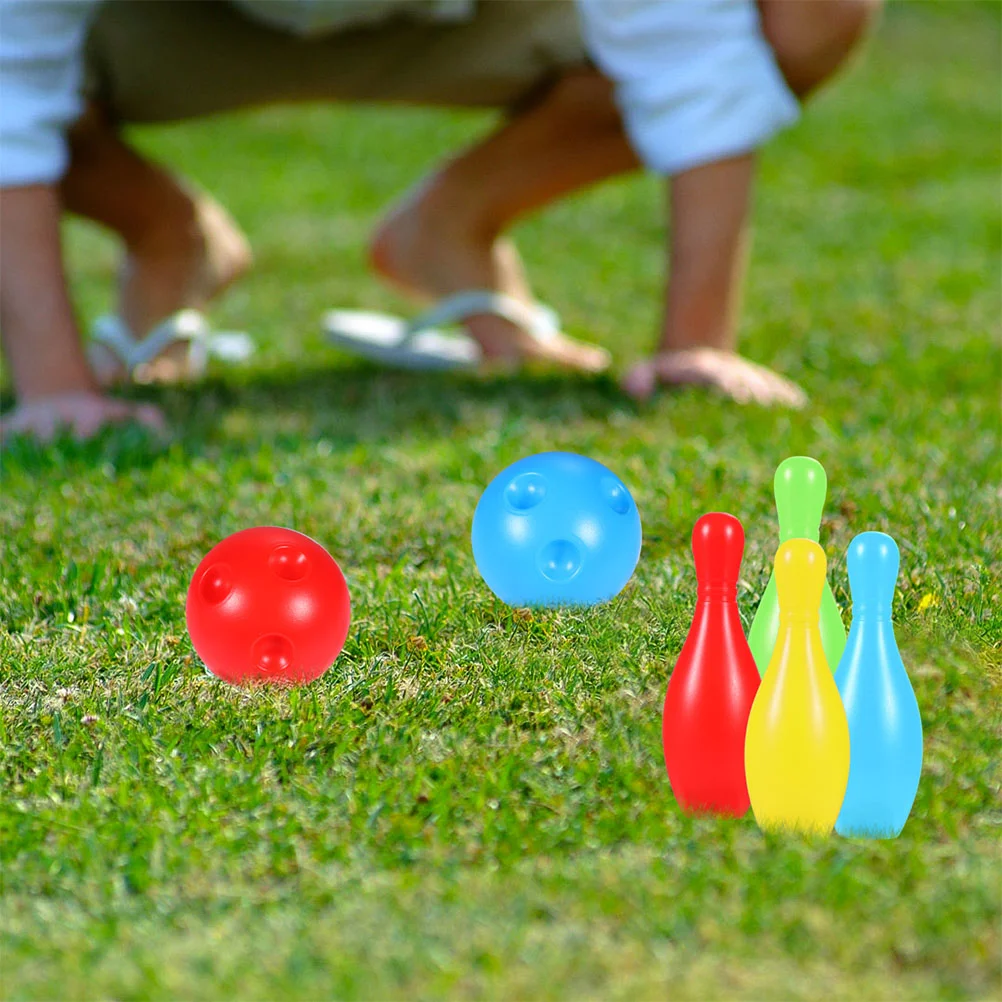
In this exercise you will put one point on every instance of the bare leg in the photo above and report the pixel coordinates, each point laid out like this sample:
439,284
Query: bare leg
54,386
181,248
710,209
708,248
813,41
445,236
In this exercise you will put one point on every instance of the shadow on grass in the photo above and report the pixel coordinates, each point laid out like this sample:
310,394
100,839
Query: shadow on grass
345,406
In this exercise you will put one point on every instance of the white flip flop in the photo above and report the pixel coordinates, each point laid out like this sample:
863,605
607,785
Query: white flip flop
421,343
114,347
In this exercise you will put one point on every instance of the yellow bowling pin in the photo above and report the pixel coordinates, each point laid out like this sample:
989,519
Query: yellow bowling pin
797,742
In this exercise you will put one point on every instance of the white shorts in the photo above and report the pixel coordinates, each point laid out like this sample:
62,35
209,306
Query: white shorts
696,81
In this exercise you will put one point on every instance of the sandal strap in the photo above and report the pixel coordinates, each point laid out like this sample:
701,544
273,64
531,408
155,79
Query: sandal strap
539,322
185,325
111,331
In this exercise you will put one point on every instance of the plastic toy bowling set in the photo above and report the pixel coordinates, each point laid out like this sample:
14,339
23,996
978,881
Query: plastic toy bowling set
769,722
823,745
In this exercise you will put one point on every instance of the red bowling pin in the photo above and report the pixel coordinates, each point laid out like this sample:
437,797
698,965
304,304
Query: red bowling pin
711,690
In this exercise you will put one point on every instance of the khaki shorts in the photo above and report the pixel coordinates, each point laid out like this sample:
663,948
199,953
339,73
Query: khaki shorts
171,60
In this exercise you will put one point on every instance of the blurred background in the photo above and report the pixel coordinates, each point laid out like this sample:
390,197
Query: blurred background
472,802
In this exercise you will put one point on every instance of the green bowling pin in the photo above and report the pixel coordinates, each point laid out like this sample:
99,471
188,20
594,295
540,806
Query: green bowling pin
801,487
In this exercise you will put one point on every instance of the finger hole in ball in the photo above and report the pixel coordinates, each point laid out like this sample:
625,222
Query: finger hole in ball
216,584
560,560
289,563
617,497
272,653
526,491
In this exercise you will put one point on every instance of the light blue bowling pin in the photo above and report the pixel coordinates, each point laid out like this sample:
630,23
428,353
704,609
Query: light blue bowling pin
885,729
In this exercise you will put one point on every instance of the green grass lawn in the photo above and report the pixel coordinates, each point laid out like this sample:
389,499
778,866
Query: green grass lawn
472,802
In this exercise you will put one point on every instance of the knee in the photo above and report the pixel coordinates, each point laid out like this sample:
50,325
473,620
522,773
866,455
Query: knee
849,22
812,41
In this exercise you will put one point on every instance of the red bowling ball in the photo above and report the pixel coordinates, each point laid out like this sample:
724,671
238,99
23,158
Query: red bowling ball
268,605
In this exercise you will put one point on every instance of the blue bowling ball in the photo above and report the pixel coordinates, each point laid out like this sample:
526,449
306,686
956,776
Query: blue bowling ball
556,529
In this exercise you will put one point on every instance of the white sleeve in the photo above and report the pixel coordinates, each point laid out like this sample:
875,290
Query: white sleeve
41,61
695,80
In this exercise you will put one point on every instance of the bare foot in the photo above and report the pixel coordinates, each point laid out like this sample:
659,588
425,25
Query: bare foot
423,248
182,263
734,376
83,414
